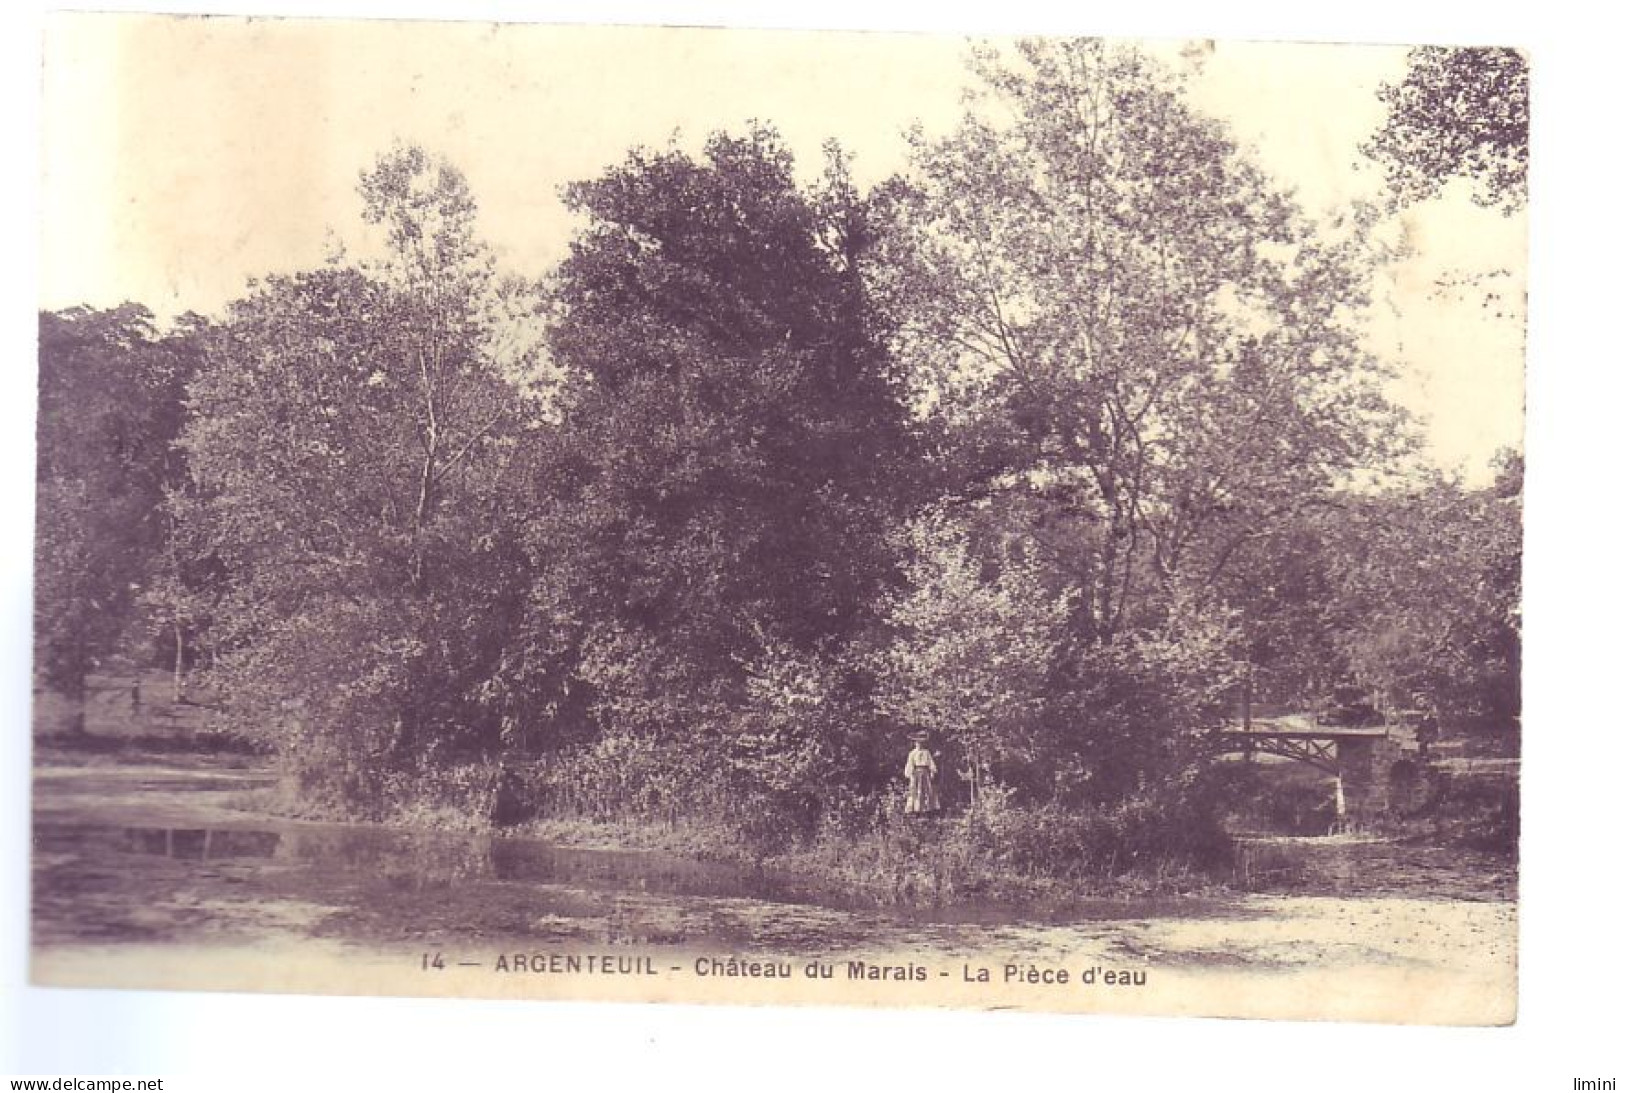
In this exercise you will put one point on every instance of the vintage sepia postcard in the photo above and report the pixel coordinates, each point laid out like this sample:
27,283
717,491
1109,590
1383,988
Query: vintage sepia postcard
654,514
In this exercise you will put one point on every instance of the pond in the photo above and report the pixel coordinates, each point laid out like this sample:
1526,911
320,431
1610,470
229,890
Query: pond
135,851
149,874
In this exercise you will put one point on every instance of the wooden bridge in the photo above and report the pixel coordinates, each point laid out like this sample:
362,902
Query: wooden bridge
1362,760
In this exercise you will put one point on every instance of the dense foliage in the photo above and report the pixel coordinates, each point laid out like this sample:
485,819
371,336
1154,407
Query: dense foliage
110,408
1460,112
351,440
1050,448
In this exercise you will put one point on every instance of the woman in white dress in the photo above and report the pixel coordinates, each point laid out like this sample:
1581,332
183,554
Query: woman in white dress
921,772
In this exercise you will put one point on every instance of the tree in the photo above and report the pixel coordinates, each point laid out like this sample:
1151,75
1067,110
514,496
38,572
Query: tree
732,449
1104,301
1286,589
1141,362
1429,601
1460,112
110,408
981,643
350,437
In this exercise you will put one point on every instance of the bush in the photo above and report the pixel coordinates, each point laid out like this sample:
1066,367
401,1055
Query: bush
1477,813
457,796
1150,831
864,843
1298,808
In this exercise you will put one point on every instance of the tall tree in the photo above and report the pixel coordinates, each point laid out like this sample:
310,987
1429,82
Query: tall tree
110,391
1429,599
1139,360
1105,302
732,450
349,438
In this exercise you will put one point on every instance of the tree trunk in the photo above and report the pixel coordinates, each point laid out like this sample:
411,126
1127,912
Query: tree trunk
178,693
76,693
420,514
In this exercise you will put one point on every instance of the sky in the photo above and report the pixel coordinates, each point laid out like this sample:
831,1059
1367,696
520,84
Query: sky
183,156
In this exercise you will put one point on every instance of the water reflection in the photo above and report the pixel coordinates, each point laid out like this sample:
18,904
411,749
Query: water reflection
1354,867
392,883
201,844
431,858
375,867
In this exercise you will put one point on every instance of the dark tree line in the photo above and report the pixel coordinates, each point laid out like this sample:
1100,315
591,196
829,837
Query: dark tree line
1047,448
110,410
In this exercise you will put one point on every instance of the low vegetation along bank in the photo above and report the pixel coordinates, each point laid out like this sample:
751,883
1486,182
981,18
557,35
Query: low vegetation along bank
850,844
1241,828
863,845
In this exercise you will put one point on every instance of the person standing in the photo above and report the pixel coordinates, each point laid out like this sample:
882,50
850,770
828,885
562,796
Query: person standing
921,772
